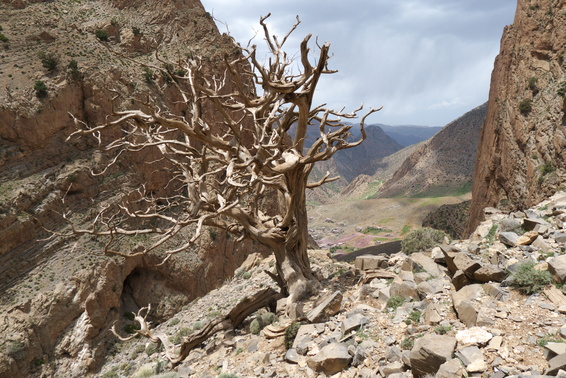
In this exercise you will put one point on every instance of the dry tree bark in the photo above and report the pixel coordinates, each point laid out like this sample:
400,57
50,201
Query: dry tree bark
222,178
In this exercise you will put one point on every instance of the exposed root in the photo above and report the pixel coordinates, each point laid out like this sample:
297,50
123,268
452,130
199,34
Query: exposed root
249,305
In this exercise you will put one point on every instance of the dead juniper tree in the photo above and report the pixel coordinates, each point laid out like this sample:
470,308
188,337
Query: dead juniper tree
234,146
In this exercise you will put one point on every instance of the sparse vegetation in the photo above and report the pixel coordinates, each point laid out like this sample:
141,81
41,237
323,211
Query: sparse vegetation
394,302
529,280
148,74
561,89
442,330
73,70
526,106
291,333
407,343
131,328
414,317
490,237
3,38
40,89
375,230
261,321
422,239
102,35
14,347
49,61
547,168
549,339
533,85
152,348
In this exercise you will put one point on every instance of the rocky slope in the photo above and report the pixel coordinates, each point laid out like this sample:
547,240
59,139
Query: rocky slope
521,155
443,164
461,309
58,297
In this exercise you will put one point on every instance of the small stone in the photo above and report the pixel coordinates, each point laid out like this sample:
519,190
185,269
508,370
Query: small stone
527,238
353,323
450,369
292,356
473,336
392,368
495,343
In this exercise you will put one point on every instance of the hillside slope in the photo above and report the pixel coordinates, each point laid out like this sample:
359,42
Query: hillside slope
58,297
441,165
521,158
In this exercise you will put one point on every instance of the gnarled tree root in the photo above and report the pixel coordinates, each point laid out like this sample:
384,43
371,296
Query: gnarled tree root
246,307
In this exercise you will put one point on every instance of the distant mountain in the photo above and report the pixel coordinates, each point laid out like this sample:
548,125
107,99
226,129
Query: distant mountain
444,164
364,159
365,186
407,135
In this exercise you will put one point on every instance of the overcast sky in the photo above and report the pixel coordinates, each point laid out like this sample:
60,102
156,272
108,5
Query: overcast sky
426,61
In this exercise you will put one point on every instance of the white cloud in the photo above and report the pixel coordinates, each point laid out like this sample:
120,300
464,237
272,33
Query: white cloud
427,62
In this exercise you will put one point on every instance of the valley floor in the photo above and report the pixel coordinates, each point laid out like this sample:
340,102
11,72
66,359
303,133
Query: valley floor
344,224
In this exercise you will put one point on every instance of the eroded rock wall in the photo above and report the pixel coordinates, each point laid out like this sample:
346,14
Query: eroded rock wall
521,158
58,297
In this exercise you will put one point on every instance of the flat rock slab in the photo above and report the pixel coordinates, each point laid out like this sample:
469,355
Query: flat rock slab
556,363
489,273
429,352
329,306
451,369
556,348
508,238
353,322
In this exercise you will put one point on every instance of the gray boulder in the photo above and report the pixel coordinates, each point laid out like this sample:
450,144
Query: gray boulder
451,369
430,352
508,238
489,273
557,267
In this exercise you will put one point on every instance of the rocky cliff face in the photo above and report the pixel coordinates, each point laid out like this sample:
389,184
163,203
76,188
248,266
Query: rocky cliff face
58,297
521,157
442,165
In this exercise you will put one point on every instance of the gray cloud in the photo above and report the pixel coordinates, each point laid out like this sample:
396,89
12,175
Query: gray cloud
426,61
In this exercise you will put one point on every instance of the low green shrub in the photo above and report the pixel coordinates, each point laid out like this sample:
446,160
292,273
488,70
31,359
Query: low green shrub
291,333
102,35
40,89
442,330
529,280
394,302
261,321
49,61
526,106
422,239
